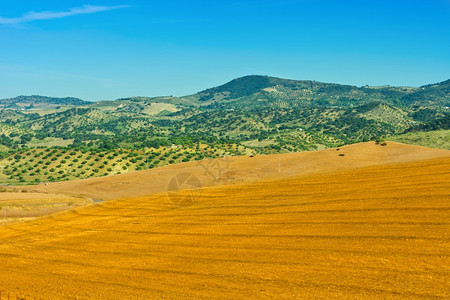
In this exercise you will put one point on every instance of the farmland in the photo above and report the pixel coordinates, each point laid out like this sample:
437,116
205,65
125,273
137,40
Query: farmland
264,115
372,223
38,165
19,205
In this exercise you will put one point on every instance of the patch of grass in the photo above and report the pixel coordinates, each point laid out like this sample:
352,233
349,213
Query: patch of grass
439,139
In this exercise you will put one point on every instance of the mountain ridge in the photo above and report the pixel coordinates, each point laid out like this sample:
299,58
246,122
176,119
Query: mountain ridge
321,93
246,86
37,101
249,115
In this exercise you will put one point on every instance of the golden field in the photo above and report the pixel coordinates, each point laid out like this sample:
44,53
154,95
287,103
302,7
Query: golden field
22,205
372,224
241,169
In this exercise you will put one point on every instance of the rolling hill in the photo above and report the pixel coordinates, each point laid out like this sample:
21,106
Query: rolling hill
259,114
372,225
259,90
37,102
233,170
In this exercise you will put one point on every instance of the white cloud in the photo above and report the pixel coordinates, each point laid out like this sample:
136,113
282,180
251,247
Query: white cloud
47,15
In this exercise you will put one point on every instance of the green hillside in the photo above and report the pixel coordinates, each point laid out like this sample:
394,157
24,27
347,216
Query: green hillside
264,90
260,114
435,139
39,102
43,164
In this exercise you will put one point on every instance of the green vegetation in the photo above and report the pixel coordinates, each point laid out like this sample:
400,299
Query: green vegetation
61,163
39,102
249,115
436,139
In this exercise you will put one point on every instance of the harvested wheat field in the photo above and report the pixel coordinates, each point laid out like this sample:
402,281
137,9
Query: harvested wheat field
366,227
18,206
243,169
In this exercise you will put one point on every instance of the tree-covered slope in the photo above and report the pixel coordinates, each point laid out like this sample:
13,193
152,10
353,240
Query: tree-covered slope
265,114
39,102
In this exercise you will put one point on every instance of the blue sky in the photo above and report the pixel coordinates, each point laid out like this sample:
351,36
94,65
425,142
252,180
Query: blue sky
98,50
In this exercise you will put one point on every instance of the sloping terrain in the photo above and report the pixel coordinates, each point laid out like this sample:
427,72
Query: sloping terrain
269,115
373,230
39,102
40,165
249,89
437,139
16,205
243,169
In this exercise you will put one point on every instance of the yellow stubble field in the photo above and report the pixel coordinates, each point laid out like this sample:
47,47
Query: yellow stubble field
373,232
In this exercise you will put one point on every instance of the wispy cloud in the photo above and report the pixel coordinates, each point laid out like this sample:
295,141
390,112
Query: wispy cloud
47,15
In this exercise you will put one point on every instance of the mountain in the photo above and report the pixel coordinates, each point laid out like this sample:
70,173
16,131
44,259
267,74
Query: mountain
260,113
39,102
264,90
432,94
